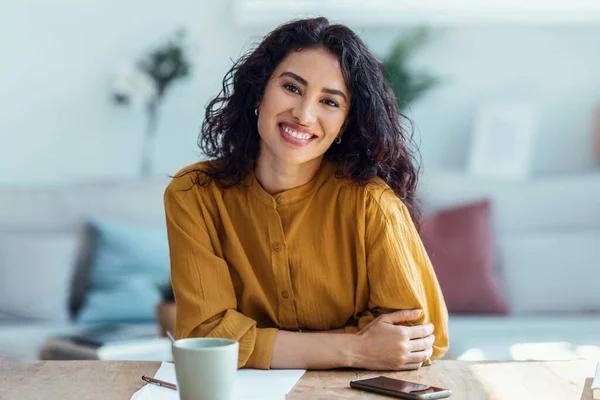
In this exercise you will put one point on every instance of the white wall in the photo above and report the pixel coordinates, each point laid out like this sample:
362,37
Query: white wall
57,124
558,67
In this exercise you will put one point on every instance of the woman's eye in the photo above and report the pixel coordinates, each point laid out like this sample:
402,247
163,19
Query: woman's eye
291,88
330,103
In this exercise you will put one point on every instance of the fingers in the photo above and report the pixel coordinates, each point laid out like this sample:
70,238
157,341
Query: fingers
419,331
410,366
421,344
397,317
419,356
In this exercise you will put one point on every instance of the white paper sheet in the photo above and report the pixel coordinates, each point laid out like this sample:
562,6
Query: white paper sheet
250,384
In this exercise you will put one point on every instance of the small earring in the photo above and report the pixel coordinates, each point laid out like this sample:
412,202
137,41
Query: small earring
338,140
256,112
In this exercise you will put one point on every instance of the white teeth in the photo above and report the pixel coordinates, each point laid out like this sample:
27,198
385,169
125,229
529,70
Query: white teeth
296,134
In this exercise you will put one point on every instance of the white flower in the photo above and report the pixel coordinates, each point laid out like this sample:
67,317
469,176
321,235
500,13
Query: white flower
134,86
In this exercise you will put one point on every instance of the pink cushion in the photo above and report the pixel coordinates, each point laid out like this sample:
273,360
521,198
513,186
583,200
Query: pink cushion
460,243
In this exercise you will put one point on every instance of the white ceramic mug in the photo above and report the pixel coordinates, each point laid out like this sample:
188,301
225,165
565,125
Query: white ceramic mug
205,368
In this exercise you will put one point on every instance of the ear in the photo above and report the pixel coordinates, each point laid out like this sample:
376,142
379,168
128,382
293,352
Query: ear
344,126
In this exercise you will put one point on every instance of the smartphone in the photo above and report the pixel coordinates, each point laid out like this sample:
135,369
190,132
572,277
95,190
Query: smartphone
400,389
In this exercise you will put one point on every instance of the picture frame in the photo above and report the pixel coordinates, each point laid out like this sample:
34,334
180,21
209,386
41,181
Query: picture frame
597,134
503,138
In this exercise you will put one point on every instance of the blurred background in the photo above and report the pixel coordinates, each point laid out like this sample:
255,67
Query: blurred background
60,58
102,100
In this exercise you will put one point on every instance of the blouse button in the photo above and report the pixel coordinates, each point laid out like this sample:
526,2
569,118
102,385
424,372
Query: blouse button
280,200
285,294
276,247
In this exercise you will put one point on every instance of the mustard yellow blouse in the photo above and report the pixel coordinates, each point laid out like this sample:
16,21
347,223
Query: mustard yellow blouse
326,255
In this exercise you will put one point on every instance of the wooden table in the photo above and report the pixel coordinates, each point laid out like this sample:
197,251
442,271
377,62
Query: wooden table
91,380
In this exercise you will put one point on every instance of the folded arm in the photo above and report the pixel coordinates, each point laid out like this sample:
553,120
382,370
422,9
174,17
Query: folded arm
399,271
204,294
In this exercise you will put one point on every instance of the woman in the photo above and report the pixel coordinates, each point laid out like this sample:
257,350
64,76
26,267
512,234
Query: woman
297,239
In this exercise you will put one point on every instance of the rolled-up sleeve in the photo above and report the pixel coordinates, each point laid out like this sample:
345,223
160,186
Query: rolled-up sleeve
204,292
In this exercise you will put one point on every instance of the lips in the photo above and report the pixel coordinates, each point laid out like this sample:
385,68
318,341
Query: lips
298,129
296,134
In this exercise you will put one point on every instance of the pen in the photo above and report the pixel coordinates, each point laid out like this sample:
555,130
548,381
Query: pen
159,382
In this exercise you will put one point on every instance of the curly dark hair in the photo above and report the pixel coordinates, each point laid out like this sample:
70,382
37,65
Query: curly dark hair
376,141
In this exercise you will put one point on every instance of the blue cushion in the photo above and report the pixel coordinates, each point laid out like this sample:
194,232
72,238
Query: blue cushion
128,263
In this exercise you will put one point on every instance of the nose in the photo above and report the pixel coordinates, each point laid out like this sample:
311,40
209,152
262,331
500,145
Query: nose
304,112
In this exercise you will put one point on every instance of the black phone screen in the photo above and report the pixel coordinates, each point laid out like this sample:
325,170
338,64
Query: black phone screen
399,386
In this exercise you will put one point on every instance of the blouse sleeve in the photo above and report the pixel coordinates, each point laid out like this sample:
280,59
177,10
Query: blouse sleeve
399,272
204,293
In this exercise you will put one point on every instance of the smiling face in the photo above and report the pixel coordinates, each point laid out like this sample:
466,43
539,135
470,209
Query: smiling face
303,108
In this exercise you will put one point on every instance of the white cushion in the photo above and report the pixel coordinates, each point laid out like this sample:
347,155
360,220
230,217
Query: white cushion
33,209
63,208
35,274
22,341
563,202
541,337
131,201
8,318
551,271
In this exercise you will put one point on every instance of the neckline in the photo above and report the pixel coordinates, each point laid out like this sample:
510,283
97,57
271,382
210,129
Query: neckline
325,172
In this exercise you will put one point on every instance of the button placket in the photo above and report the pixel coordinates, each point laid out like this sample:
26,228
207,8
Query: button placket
286,309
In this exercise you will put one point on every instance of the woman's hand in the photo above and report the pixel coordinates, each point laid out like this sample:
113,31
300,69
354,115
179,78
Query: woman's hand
382,345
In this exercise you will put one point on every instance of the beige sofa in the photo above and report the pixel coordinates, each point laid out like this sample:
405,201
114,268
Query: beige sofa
42,245
547,239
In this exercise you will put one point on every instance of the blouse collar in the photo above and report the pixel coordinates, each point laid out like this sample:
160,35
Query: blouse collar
326,172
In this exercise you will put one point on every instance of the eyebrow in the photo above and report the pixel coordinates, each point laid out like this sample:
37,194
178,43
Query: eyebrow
305,83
